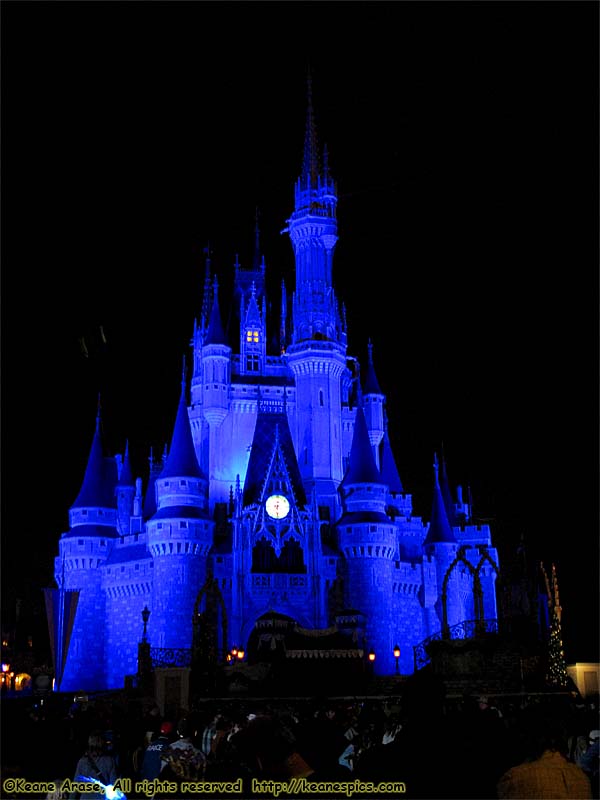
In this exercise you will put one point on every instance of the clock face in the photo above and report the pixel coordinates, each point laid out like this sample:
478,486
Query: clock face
277,506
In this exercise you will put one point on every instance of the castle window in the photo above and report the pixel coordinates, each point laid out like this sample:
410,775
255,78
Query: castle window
183,524
252,336
84,512
219,560
252,363
122,569
321,400
159,526
183,483
137,566
102,543
79,541
136,537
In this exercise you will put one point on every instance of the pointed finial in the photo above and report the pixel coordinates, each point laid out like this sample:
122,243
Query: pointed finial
436,466
370,348
183,371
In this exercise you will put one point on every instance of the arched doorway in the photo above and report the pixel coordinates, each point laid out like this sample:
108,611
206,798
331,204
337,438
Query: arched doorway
267,641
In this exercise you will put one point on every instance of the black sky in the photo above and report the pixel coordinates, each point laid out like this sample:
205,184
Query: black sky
464,141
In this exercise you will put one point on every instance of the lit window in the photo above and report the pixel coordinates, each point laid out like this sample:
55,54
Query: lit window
252,336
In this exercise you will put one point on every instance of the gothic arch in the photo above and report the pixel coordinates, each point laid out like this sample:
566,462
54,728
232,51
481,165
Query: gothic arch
477,587
477,593
485,556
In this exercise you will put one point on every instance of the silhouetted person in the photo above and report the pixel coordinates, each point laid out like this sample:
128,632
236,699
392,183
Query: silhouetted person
546,773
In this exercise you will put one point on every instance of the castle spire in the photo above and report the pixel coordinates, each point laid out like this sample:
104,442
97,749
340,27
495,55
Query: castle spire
371,384
440,529
97,489
182,460
361,463
310,164
207,290
215,333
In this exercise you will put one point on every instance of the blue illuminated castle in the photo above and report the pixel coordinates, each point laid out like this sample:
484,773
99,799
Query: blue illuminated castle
277,498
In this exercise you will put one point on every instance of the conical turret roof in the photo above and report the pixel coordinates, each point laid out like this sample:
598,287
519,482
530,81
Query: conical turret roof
440,529
98,487
389,470
126,477
182,460
361,464
215,333
370,383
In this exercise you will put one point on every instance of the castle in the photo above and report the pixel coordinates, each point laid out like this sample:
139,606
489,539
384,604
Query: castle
278,495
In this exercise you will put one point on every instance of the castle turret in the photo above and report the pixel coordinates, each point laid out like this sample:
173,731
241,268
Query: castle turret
83,549
440,545
367,538
125,495
180,535
216,365
373,403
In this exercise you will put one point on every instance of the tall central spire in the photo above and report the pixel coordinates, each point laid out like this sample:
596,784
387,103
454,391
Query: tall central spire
310,165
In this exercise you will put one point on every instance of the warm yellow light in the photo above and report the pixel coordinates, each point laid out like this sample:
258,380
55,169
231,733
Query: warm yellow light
240,653
396,652
371,655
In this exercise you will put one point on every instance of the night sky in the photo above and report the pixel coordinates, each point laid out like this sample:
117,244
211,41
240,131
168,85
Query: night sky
464,141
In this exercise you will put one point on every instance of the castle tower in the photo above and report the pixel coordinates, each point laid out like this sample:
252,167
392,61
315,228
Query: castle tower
125,495
253,336
210,395
367,538
82,550
180,535
317,352
441,547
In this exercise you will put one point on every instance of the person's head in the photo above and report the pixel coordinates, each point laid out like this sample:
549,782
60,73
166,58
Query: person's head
186,729
543,730
264,746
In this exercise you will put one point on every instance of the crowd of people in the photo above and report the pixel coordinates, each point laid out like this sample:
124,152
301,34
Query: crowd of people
422,744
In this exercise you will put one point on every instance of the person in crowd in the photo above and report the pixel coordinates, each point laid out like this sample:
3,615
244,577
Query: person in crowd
183,760
590,761
209,733
152,763
268,748
546,773
95,763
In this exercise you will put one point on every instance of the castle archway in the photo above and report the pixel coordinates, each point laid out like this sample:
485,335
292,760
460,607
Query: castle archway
267,639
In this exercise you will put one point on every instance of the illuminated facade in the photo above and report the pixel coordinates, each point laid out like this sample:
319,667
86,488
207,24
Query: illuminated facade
279,492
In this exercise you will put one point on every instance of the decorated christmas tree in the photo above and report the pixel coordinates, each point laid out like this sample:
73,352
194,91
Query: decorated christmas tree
556,673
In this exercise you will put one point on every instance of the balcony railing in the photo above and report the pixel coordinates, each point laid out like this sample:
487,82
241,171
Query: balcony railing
171,657
468,629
